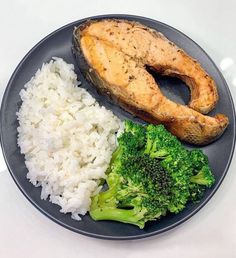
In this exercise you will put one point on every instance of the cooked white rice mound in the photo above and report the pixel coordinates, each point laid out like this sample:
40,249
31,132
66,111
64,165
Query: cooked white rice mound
66,137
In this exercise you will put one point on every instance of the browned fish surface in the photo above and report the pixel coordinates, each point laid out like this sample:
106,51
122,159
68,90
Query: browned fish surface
153,49
124,77
128,82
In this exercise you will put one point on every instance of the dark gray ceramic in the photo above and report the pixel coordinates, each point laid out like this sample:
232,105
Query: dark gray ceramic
59,43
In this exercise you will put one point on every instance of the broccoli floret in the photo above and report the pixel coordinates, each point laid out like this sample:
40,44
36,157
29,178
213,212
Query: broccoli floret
198,159
138,192
175,159
131,141
196,192
135,129
160,142
203,177
150,174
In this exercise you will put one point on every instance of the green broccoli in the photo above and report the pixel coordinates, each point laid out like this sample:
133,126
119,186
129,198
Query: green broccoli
203,177
138,190
150,174
174,158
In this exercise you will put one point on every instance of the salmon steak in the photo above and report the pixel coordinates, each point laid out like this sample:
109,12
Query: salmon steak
153,49
116,53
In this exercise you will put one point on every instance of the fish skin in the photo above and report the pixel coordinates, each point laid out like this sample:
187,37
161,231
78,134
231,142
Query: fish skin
153,49
126,80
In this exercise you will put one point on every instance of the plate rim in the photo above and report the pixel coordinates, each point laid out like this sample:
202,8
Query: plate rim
95,235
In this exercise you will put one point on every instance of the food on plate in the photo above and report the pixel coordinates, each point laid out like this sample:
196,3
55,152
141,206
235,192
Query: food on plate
150,175
71,149
151,48
126,80
66,136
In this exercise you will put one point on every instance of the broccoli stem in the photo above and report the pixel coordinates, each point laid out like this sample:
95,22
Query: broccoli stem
198,180
104,207
161,154
107,197
115,155
148,146
112,213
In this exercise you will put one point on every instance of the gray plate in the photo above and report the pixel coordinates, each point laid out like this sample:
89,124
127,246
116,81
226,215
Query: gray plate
59,43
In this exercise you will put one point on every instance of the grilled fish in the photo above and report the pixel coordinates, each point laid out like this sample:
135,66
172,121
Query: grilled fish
126,80
153,49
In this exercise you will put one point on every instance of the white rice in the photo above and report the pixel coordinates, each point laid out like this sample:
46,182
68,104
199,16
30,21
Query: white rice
66,137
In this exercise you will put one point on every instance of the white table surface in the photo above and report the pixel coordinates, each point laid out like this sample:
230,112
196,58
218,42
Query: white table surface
25,232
